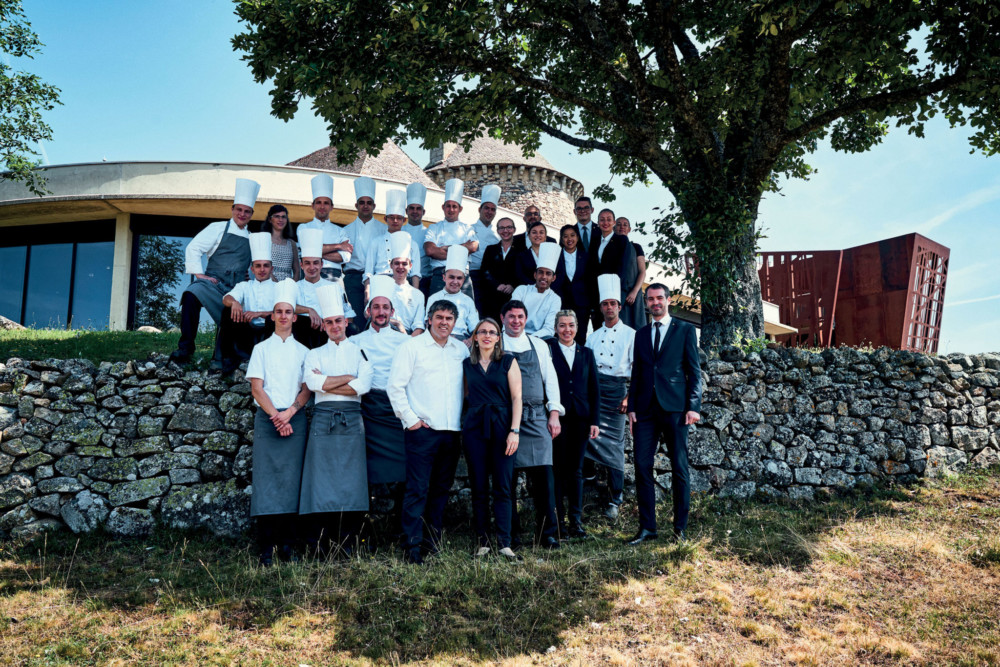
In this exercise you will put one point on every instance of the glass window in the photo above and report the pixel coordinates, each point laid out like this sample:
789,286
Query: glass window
48,285
92,285
12,281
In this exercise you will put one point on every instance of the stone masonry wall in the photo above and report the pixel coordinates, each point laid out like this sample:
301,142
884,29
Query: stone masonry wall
130,446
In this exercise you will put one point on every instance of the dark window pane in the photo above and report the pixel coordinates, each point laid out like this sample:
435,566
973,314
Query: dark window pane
48,285
12,281
92,286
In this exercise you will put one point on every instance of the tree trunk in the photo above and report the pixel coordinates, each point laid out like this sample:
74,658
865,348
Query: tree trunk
723,231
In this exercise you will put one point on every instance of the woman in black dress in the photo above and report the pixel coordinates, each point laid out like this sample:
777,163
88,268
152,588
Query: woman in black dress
490,432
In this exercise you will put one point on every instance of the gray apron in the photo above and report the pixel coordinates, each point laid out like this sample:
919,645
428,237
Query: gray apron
609,447
535,441
335,474
277,465
384,439
228,264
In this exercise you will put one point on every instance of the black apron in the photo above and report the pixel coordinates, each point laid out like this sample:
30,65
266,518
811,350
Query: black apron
535,442
335,473
277,465
384,439
609,447
228,264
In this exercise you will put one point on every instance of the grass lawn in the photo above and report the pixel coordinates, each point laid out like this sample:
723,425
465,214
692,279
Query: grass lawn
904,576
97,346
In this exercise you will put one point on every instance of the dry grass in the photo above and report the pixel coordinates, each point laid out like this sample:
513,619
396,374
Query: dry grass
894,577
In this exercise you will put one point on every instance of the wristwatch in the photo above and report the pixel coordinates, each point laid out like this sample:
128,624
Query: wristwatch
516,431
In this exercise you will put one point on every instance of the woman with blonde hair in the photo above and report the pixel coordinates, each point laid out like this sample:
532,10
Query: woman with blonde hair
490,432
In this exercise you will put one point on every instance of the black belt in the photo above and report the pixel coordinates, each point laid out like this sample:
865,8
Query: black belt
353,272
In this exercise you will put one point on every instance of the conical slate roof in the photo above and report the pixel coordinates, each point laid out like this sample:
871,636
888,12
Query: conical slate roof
487,150
391,163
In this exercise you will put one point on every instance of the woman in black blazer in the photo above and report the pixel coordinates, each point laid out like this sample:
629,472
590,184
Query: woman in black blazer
577,371
527,261
617,258
573,288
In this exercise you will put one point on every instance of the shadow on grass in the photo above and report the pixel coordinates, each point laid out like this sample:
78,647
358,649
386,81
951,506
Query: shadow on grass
385,609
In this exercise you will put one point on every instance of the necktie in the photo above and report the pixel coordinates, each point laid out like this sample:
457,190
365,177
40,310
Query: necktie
656,338
586,237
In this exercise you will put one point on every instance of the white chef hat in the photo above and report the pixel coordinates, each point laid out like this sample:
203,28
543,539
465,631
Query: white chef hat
400,246
416,193
311,242
458,258
331,300
609,285
491,194
453,189
286,291
260,246
395,202
246,192
322,186
548,256
364,187
379,285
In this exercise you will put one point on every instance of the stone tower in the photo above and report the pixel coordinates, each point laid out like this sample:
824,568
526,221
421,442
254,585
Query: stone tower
523,180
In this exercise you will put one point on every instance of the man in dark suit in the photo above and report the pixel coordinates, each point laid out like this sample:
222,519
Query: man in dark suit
577,370
585,227
665,398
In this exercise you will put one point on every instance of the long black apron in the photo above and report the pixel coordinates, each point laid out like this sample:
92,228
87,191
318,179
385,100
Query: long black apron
335,473
535,446
609,447
277,465
384,439
228,264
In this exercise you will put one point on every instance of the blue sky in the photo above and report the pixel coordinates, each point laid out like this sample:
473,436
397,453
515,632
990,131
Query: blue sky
160,81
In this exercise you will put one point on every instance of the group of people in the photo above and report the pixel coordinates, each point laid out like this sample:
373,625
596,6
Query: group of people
420,344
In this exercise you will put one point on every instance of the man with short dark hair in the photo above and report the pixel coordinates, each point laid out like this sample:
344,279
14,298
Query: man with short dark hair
665,398
587,228
336,247
425,390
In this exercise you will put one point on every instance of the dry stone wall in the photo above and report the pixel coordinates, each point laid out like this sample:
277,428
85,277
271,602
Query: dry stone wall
132,446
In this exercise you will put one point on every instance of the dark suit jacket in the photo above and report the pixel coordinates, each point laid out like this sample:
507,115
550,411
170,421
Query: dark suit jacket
595,233
498,271
520,242
573,292
526,267
578,388
673,377
616,259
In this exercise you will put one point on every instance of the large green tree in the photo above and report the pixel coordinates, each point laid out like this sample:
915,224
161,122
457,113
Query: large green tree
23,98
719,99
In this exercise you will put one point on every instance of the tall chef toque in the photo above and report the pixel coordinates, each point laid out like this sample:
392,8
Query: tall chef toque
311,242
416,193
260,247
331,300
286,291
380,285
609,286
364,187
246,192
548,256
453,189
395,202
490,194
322,186
458,258
400,245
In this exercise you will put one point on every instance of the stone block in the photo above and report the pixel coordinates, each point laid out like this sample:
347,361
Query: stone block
222,441
130,522
114,470
809,476
84,512
195,418
942,461
152,445
221,507
132,492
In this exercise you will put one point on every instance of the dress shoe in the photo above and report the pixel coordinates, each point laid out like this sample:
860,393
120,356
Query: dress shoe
643,536
180,358
413,556
577,533
549,542
266,558
482,552
510,556
611,512
679,536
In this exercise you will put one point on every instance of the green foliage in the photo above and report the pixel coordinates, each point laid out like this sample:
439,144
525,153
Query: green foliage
719,99
161,263
748,344
23,98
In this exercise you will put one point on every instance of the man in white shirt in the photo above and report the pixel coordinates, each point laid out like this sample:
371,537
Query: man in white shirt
280,428
416,196
245,316
540,300
334,492
612,345
425,389
308,329
379,252
358,233
539,422
454,278
336,247
447,233
383,431
407,300
486,236
226,244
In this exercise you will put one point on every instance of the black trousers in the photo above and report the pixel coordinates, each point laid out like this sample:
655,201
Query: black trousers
486,458
275,530
437,284
303,332
476,277
325,528
190,318
235,340
649,428
567,466
541,486
355,290
431,461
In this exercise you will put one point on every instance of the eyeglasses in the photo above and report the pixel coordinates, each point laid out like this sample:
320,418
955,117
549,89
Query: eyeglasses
487,333
583,208
505,229
279,216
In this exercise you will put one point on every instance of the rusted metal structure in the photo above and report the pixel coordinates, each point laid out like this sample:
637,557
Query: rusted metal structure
890,293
